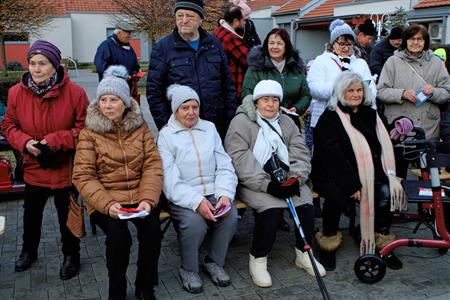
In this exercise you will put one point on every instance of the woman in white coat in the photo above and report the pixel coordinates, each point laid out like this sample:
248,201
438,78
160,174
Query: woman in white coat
338,57
199,182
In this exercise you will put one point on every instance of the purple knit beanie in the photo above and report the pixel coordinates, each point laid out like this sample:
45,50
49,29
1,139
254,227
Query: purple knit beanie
48,50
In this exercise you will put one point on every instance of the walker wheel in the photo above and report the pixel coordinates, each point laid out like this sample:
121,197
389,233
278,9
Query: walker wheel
370,268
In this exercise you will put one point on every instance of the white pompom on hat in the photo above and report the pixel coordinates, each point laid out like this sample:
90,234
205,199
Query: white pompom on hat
113,83
268,88
337,28
177,94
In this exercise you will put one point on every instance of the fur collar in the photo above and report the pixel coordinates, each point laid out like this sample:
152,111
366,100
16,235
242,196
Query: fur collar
248,107
98,123
258,61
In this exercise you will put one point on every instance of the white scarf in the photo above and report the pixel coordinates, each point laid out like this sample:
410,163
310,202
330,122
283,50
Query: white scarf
268,141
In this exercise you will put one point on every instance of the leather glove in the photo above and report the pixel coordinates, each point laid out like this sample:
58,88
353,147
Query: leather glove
46,157
288,189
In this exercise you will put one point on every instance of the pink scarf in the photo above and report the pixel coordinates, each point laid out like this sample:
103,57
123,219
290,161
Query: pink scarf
366,172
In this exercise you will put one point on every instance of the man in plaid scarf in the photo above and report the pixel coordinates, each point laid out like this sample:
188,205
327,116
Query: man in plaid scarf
230,33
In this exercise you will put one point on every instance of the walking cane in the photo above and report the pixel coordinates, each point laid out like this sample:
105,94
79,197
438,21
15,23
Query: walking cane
279,175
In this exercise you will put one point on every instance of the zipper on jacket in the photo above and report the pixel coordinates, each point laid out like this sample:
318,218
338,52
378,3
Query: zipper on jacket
199,161
126,167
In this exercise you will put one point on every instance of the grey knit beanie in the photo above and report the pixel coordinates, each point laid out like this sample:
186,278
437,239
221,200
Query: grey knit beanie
177,94
114,83
337,28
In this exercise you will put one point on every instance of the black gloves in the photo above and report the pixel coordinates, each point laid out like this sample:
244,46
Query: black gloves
46,157
288,189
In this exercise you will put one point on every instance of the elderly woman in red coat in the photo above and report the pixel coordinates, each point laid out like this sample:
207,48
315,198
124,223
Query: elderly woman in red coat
45,113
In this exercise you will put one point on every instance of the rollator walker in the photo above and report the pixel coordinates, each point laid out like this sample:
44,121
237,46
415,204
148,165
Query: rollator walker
430,195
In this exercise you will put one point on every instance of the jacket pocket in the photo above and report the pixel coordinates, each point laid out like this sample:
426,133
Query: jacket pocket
180,69
433,114
213,64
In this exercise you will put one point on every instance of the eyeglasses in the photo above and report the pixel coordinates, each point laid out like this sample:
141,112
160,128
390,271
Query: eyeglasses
181,16
343,45
416,40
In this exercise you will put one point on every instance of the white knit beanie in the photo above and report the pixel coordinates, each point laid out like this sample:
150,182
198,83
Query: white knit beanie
177,94
268,88
113,83
337,28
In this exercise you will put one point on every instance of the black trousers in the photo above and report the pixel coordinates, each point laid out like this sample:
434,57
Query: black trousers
35,199
336,202
266,226
118,243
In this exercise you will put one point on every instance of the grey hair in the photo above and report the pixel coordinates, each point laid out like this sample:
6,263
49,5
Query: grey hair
117,31
342,83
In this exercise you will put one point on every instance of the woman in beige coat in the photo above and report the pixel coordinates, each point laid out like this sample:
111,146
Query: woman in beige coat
117,166
269,132
412,70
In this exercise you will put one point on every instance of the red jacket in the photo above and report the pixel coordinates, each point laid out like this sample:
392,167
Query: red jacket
237,55
57,117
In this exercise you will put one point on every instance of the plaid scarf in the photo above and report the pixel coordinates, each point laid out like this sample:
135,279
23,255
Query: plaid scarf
41,90
366,172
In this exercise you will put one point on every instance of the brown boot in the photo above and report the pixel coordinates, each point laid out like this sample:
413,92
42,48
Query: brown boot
328,246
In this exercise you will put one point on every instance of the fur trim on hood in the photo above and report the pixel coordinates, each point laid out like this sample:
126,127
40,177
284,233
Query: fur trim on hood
247,107
257,60
99,123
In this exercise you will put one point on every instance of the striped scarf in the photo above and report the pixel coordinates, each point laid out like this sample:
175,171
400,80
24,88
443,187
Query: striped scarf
42,89
363,156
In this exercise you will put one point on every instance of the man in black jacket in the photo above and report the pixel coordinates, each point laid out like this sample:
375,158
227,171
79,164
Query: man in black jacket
385,49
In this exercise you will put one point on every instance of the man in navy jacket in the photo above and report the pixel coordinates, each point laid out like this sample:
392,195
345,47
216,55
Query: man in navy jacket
191,56
116,50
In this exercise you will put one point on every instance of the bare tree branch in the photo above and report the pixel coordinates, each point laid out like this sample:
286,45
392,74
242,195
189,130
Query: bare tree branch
156,16
28,16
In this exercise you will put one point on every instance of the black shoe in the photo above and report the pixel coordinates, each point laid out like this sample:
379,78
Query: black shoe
317,208
328,259
284,225
141,295
24,262
70,267
355,233
393,262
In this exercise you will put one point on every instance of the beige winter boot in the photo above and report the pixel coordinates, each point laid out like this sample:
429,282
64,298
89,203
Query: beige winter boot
258,271
303,262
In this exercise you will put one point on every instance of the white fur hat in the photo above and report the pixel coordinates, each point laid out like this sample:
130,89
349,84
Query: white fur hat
268,88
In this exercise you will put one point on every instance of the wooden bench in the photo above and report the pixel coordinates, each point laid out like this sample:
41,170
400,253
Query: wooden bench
164,216
239,204
444,175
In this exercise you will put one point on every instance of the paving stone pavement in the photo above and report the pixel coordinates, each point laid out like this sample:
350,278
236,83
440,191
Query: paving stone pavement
425,274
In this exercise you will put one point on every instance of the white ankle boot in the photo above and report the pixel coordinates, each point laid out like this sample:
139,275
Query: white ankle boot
258,271
303,262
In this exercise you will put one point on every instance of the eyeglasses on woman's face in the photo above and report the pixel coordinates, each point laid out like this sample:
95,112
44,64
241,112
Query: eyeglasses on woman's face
344,45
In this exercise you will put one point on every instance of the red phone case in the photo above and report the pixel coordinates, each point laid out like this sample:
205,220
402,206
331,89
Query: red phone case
289,181
129,210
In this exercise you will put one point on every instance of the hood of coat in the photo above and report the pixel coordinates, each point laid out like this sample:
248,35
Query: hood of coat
99,123
248,108
404,54
260,62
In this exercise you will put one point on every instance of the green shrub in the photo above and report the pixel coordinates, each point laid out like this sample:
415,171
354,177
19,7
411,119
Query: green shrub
5,85
14,66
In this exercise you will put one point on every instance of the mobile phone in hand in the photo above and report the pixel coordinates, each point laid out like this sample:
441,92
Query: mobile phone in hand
223,210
